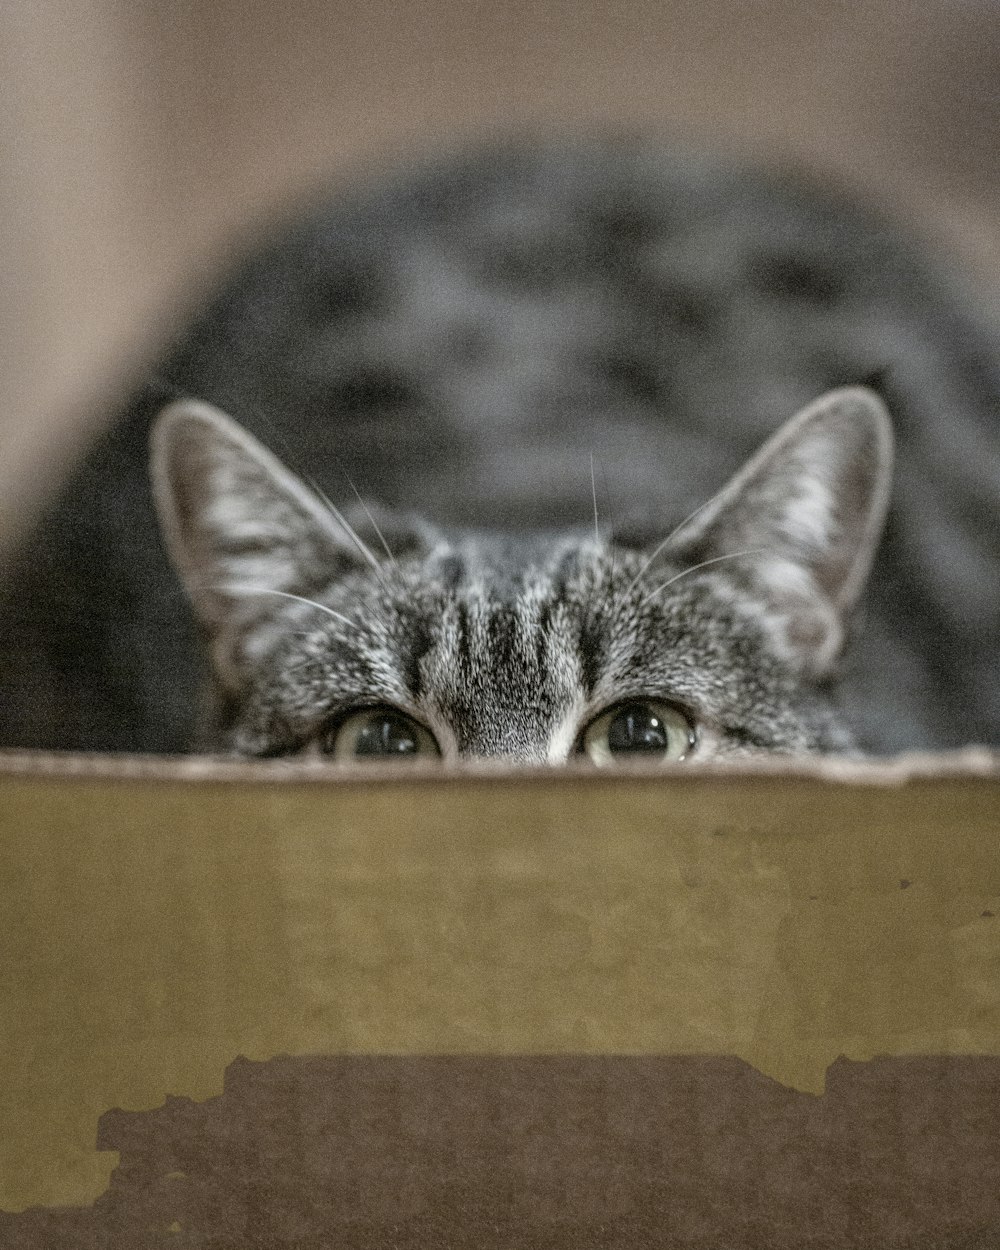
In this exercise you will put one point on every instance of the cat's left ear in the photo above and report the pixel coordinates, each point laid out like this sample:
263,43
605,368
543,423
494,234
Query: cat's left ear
808,510
243,532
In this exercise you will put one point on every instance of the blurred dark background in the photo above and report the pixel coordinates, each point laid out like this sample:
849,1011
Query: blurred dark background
142,139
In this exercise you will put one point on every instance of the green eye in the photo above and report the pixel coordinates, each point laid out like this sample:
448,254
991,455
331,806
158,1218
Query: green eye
379,733
646,729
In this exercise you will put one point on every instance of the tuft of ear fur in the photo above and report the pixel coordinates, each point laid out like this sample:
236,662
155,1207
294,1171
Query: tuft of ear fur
808,509
243,532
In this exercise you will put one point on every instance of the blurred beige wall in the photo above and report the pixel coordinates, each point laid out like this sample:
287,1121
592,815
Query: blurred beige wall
139,138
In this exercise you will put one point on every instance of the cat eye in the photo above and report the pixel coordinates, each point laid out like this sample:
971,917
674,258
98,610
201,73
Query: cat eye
646,729
379,733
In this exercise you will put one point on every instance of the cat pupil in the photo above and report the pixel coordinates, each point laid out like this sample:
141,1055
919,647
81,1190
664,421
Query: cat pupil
386,734
637,728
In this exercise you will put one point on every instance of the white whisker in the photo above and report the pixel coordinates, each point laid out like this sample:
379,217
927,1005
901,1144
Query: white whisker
732,555
285,594
611,527
670,537
349,530
375,526
593,491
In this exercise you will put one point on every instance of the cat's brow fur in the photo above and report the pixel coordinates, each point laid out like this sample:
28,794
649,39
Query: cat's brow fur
457,340
499,672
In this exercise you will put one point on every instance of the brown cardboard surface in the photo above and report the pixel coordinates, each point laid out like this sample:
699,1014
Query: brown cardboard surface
158,921
575,1152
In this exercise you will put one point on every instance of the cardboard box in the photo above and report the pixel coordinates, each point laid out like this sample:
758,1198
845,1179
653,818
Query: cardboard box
276,1005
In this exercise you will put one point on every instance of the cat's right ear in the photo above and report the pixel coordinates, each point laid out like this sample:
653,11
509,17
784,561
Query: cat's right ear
241,530
803,518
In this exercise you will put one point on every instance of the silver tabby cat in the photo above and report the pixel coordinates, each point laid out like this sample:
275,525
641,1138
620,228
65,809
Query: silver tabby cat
716,641
462,343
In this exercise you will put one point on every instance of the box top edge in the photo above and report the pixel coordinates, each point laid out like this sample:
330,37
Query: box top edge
971,763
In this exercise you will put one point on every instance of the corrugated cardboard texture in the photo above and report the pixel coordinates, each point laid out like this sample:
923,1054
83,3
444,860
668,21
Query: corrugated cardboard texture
158,922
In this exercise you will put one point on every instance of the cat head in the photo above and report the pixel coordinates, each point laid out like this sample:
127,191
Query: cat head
370,635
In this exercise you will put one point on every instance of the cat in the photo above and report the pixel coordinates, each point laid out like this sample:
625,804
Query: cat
477,343
717,640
